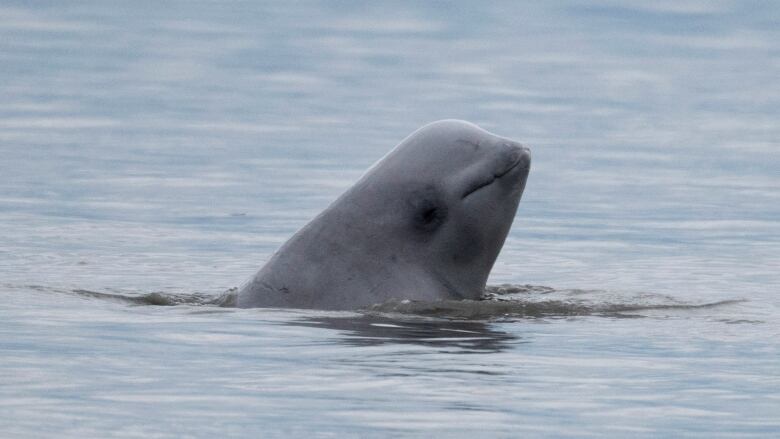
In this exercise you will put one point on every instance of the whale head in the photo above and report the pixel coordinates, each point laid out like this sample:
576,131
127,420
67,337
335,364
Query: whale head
446,198
425,222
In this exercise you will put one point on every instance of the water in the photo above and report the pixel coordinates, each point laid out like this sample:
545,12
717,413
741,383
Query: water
157,154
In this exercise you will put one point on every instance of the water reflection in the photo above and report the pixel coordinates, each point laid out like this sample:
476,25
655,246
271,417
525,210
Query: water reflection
373,330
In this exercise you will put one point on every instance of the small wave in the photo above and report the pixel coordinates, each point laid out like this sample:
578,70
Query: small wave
226,299
498,302
495,309
536,301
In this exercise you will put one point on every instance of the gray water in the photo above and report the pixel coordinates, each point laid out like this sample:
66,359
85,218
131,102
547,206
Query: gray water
156,154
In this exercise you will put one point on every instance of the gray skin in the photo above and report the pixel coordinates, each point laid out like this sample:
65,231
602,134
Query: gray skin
426,222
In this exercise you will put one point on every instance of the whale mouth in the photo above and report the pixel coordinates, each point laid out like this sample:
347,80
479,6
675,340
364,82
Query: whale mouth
485,183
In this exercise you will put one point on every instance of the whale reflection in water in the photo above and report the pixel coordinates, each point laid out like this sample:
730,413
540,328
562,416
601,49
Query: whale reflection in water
373,330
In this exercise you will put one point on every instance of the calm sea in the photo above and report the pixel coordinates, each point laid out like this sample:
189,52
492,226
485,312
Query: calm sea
157,153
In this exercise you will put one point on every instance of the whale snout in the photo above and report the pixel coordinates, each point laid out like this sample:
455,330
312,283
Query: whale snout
517,156
513,164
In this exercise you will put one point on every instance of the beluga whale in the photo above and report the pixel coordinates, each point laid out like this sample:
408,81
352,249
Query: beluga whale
426,223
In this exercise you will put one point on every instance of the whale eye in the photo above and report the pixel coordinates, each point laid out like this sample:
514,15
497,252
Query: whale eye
427,208
429,215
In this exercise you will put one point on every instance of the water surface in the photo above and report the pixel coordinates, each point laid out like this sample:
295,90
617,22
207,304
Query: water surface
169,149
